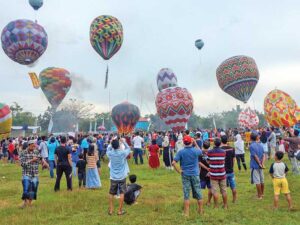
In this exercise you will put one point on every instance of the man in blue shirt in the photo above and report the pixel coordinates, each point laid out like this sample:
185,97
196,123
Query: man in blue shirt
188,158
257,165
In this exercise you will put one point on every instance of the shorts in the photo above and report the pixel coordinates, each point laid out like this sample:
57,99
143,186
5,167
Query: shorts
215,184
191,182
280,186
257,176
116,185
205,183
230,180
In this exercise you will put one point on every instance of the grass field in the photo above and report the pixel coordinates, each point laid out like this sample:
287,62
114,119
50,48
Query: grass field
160,202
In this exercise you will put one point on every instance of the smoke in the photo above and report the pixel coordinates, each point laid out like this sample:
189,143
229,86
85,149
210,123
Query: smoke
80,85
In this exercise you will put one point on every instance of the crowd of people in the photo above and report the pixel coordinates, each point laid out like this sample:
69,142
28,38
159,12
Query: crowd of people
206,160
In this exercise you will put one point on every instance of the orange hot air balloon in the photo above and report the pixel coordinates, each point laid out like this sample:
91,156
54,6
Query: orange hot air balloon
280,109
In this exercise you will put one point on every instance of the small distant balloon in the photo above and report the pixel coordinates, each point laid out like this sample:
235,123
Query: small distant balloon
199,44
36,4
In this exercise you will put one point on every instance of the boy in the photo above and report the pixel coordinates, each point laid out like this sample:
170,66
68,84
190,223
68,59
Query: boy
81,165
133,191
278,171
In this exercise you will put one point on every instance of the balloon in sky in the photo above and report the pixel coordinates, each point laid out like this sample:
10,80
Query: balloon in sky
36,4
166,78
34,79
55,83
248,118
174,106
280,109
24,41
297,114
5,121
238,76
125,116
199,44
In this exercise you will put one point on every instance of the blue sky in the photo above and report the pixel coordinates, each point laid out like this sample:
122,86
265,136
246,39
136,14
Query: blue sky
158,34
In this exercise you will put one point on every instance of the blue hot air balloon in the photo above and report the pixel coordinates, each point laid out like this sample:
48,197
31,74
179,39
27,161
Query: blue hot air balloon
36,4
199,44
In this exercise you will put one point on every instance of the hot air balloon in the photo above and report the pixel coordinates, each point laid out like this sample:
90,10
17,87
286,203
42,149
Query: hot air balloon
24,41
55,83
34,79
166,78
199,44
5,121
248,118
238,76
106,37
125,116
174,106
36,4
280,109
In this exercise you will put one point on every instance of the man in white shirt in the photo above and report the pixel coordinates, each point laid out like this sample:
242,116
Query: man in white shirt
137,148
44,149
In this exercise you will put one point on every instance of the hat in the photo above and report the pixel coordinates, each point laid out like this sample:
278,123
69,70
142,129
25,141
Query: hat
31,142
187,140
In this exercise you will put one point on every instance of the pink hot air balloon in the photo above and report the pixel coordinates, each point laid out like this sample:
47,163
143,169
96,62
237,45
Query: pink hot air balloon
248,118
174,106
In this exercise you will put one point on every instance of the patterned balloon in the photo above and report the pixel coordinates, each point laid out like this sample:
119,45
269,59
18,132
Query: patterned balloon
297,114
106,36
248,118
55,83
5,121
238,76
24,41
280,109
125,116
174,106
166,78
36,4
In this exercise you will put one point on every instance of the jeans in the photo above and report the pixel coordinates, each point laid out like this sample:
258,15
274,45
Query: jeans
138,152
30,187
239,158
67,169
52,166
74,168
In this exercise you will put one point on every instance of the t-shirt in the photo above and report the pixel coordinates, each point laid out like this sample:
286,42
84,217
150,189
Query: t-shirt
278,169
203,172
81,165
11,148
43,149
199,143
62,153
129,197
229,159
137,142
159,141
256,149
188,158
51,149
216,159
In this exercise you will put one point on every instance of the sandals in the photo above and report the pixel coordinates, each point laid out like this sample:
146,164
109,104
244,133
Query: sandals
121,213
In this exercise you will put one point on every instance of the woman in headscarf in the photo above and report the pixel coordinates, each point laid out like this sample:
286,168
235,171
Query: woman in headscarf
179,144
154,155
240,151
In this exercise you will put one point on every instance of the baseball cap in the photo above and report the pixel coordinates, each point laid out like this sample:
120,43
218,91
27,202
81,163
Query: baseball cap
187,140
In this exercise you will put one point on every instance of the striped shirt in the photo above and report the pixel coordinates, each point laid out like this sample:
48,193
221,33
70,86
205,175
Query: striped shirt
92,161
216,159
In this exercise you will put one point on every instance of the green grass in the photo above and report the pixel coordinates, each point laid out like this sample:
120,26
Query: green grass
160,202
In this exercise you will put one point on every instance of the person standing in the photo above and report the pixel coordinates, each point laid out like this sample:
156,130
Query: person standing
92,179
154,155
43,148
84,145
294,143
257,165
167,154
30,159
137,148
189,170
272,142
239,146
64,164
52,145
264,142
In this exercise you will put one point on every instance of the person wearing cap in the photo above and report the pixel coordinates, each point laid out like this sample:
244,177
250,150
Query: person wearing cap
189,170
30,159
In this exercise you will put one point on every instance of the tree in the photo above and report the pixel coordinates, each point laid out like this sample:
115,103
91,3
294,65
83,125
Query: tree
78,108
43,120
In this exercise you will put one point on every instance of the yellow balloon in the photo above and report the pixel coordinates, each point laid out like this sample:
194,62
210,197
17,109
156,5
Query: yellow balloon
5,121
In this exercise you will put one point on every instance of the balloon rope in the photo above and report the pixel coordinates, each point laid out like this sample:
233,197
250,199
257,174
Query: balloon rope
106,77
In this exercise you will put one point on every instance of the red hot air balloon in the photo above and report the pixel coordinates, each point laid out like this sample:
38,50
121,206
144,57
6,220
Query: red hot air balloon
174,107
125,116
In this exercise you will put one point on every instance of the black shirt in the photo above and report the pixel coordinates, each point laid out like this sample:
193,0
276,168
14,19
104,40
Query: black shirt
203,172
129,196
81,165
62,153
229,159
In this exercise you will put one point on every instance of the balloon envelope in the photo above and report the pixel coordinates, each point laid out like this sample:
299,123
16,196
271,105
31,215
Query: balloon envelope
248,118
36,4
106,36
174,106
280,109
166,78
125,116
24,41
55,83
199,44
238,76
5,121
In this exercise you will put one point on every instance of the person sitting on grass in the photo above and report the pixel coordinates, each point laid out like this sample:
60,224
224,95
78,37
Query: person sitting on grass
81,170
278,172
133,191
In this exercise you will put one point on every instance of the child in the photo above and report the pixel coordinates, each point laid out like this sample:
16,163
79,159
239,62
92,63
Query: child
281,147
133,191
278,171
81,165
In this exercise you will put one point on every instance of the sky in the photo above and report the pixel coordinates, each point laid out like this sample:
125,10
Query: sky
158,34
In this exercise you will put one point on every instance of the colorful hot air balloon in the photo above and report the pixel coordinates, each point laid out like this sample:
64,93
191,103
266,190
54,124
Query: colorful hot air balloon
5,121
36,4
24,41
125,116
238,76
174,106
106,37
166,78
55,83
280,109
248,118
199,44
